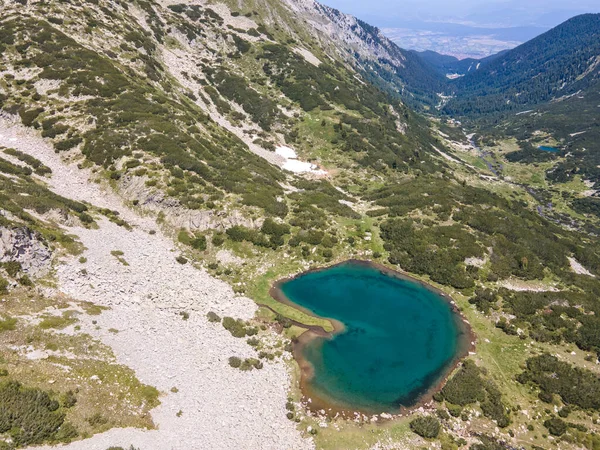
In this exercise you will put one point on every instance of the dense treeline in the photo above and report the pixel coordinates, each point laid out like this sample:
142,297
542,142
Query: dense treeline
552,65
436,251
556,317
261,109
428,427
574,386
470,386
523,243
31,416
371,139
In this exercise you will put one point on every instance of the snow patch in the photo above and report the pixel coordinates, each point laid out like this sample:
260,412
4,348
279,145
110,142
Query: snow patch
578,268
286,152
577,134
292,163
308,56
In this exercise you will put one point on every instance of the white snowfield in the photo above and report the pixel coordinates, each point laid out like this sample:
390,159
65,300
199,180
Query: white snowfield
293,164
286,152
221,407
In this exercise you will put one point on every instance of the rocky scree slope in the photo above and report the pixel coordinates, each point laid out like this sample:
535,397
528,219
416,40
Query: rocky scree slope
145,298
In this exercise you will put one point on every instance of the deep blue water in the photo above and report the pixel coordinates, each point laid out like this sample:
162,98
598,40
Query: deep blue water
399,337
545,148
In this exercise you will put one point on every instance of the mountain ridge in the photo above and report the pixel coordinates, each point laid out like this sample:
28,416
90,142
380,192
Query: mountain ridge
555,64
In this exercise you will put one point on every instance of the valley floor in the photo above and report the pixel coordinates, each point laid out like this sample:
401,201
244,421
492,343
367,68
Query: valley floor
205,403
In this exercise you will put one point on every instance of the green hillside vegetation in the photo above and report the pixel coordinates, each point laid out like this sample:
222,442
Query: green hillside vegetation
573,123
31,416
20,193
558,63
388,196
40,405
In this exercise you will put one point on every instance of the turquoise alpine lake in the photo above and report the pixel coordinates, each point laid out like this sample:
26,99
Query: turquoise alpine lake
397,341
545,148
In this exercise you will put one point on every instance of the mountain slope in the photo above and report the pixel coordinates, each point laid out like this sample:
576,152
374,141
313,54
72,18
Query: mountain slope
218,88
374,55
451,66
144,136
558,63
572,125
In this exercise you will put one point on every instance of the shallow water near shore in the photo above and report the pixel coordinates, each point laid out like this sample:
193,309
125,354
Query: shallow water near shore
395,338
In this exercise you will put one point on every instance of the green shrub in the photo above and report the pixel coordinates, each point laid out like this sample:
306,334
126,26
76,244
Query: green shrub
213,317
237,328
556,426
465,387
427,427
239,234
35,163
469,386
272,228
121,448
3,285
454,410
199,242
67,432
565,411
443,414
235,362
28,116
97,420
68,399
8,324
575,386
218,240
30,415
25,281
283,321
251,363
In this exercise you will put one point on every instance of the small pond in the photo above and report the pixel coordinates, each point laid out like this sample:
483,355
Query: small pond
546,148
396,339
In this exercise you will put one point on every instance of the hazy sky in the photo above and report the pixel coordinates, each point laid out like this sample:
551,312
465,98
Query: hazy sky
493,12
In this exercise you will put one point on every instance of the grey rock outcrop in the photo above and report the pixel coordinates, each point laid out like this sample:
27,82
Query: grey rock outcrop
27,247
176,215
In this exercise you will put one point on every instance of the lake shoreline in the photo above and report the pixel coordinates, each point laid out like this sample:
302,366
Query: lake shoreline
334,408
